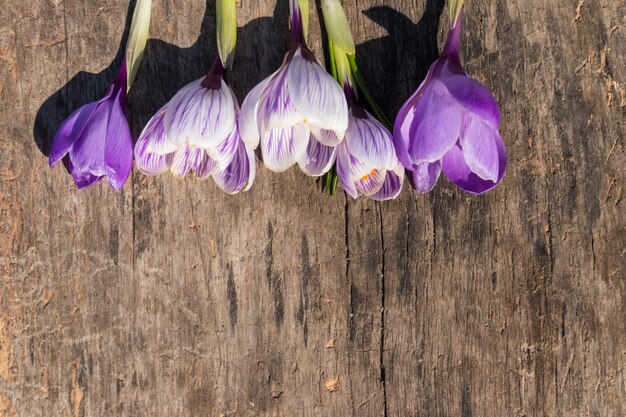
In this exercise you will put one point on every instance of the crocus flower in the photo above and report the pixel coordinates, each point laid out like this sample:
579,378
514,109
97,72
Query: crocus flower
299,114
451,124
366,159
95,141
197,131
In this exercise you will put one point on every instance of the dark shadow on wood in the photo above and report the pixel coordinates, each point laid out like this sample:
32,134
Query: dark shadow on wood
399,62
83,88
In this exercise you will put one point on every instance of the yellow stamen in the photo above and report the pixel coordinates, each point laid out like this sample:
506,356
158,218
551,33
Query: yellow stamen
368,175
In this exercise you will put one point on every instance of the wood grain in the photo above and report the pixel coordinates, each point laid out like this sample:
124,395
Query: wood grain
173,299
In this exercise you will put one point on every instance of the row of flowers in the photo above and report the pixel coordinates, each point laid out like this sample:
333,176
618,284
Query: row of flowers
327,124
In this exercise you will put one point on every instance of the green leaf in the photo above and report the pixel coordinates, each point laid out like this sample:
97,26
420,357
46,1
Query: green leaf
138,37
226,31
337,26
304,12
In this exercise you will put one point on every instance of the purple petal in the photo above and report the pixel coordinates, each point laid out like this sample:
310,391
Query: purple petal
199,116
240,171
82,179
70,131
392,186
405,119
425,176
437,125
318,159
471,94
87,153
478,142
118,151
457,171
316,95
282,148
371,143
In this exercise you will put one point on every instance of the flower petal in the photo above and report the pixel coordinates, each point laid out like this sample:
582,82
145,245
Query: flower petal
478,142
316,95
392,186
155,136
282,148
437,125
70,131
87,153
118,151
224,153
201,117
206,168
239,172
276,109
82,179
326,137
471,94
425,176
181,162
248,120
371,143
456,169
371,183
345,170
318,159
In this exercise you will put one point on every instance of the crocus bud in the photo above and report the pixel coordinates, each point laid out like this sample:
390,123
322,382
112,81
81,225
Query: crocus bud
337,26
138,37
226,31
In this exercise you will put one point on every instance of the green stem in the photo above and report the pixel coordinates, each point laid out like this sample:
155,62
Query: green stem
369,98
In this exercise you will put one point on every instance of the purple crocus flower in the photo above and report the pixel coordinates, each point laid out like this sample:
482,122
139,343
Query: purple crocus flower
95,141
451,124
298,114
198,131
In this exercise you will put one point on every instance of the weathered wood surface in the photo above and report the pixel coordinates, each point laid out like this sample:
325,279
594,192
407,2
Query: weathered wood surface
172,299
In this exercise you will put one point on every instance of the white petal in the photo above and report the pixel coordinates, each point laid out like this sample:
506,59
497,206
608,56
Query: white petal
248,120
276,110
199,116
282,148
327,137
316,95
371,143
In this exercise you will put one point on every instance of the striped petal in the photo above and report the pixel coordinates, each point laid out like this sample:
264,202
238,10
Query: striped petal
318,159
282,148
316,95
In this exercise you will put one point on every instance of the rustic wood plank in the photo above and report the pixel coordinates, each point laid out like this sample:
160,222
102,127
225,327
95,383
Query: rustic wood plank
171,298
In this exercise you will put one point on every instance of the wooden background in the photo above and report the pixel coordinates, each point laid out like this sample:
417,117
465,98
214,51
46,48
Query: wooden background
173,299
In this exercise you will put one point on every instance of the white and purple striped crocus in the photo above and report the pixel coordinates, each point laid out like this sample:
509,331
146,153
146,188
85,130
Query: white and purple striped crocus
451,124
95,141
367,164
298,114
198,130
